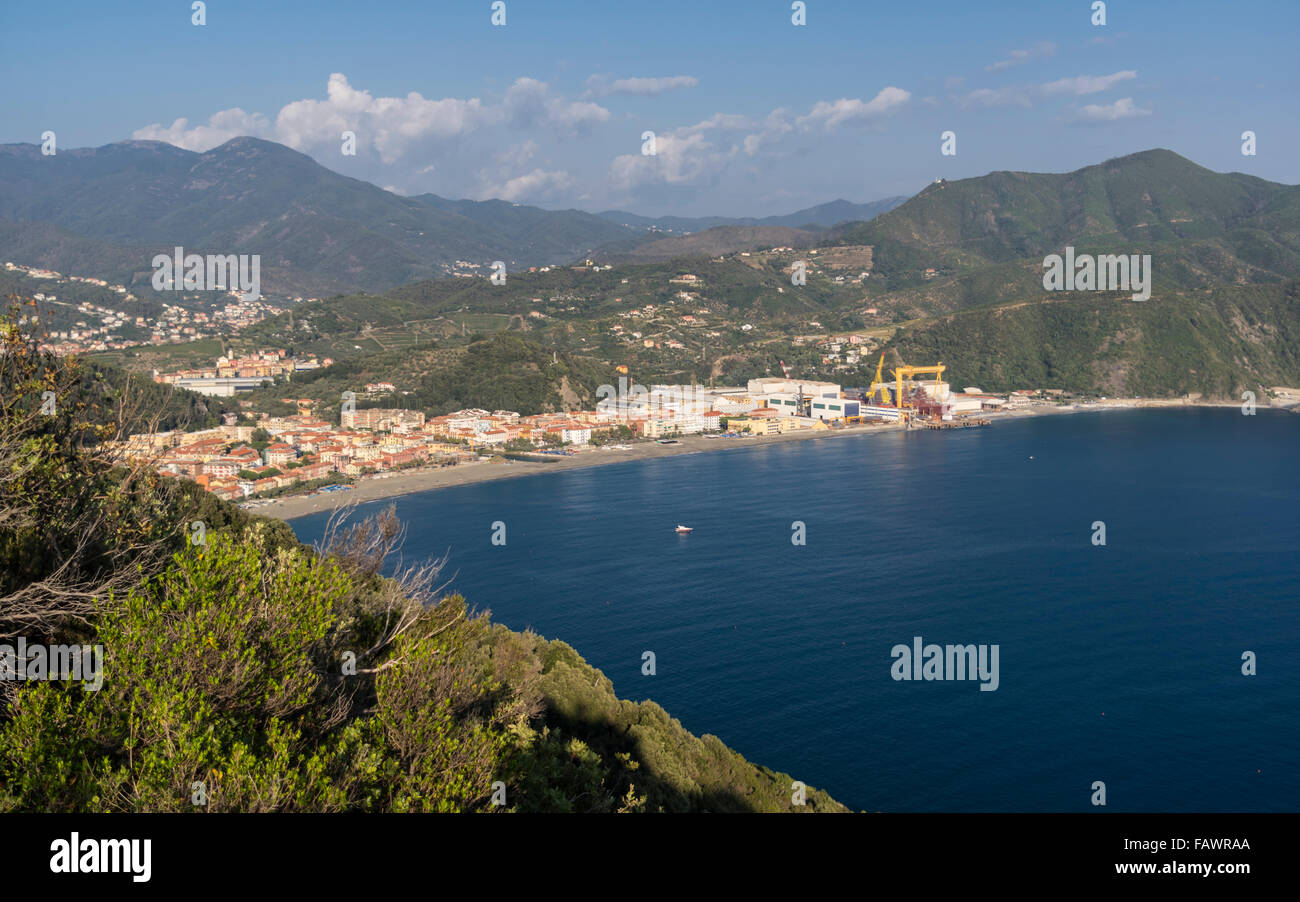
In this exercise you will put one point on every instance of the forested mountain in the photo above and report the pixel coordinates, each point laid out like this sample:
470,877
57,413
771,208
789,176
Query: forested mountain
962,262
109,209
1222,227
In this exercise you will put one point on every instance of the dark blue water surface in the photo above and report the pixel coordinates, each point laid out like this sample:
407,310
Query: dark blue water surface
1120,663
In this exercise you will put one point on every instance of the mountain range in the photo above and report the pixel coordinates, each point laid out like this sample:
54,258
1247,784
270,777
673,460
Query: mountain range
821,216
107,211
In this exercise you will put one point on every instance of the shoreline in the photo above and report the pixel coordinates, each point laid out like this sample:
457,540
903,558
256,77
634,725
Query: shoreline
423,480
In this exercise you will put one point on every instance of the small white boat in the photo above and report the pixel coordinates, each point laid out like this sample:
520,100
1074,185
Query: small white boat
683,529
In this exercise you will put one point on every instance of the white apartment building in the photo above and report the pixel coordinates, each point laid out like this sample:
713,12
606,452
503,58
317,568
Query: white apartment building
685,424
576,435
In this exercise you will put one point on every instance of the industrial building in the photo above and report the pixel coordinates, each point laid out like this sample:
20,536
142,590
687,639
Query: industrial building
796,398
835,409
772,405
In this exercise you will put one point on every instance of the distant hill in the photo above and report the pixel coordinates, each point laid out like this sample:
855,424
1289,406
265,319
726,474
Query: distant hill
50,247
821,216
1244,228
711,243
531,233
111,208
107,211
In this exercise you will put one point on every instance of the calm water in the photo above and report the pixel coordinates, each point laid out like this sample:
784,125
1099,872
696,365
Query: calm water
1119,663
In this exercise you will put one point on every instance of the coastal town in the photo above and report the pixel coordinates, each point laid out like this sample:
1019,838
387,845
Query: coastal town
277,455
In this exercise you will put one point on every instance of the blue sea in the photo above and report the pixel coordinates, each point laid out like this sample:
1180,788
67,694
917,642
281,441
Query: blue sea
1120,663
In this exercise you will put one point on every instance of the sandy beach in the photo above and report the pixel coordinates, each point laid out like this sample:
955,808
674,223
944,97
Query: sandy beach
407,482
422,480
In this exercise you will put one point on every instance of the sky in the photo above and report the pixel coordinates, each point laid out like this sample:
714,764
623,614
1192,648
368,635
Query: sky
752,114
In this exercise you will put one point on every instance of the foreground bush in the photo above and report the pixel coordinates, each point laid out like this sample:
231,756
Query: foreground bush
247,677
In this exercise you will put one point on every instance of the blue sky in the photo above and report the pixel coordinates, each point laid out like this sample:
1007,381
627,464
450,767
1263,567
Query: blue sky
752,115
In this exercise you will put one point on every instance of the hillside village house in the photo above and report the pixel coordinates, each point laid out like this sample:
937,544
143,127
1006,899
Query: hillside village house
279,453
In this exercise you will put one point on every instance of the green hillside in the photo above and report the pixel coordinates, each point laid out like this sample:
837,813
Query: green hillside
501,372
1217,344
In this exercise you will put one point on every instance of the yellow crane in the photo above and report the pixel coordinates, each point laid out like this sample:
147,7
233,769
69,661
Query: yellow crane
905,374
878,384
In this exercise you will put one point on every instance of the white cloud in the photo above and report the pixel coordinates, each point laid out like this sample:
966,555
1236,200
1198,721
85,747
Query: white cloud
695,154
1041,50
719,121
392,126
1024,95
677,159
829,115
221,127
517,155
1014,95
489,147
1123,108
501,181
534,185
600,85
530,103
1086,84
685,155
776,125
